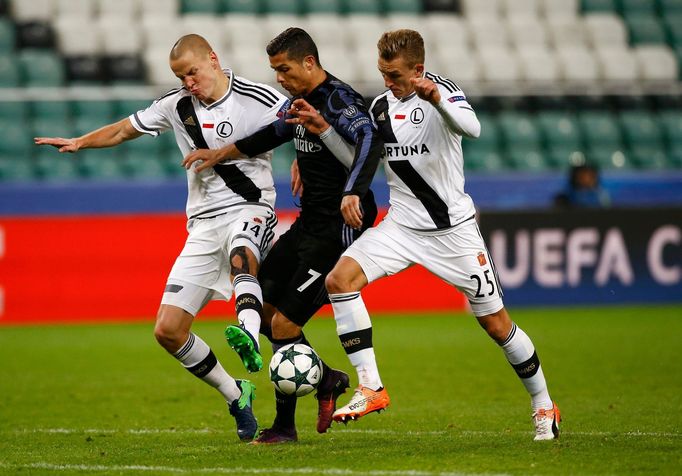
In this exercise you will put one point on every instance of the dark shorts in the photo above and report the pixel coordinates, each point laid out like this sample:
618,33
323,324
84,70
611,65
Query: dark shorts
293,273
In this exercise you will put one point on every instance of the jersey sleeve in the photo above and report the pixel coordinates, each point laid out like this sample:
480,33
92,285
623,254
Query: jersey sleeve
275,131
457,114
156,118
353,123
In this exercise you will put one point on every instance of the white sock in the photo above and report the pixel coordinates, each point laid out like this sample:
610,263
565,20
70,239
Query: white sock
354,329
198,358
521,354
249,303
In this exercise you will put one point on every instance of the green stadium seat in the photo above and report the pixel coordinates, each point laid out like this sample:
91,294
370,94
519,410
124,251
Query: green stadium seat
563,157
50,165
145,167
7,36
592,6
627,7
372,7
673,27
289,7
14,110
169,145
668,7
101,110
559,129
83,125
41,68
142,147
527,159
609,157
55,110
599,129
645,29
518,129
490,133
200,6
482,160
678,54
321,6
403,6
17,139
51,128
100,164
649,158
16,169
675,156
670,123
126,107
282,157
9,73
171,164
240,6
640,129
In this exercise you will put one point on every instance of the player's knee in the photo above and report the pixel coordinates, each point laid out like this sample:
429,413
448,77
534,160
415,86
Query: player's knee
497,325
335,283
170,337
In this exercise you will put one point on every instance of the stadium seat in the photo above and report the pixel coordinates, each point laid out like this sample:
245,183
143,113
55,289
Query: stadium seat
326,29
482,160
669,7
403,6
14,110
618,65
83,125
119,37
124,69
85,10
16,169
526,159
200,6
656,63
238,27
100,164
521,9
101,110
670,123
673,26
610,158
605,30
559,9
171,164
538,65
35,34
17,139
151,167
562,157
41,68
491,9
499,65
157,68
599,129
9,74
288,7
129,9
241,6
443,6
645,29
480,28
160,8
57,110
640,129
525,33
23,11
7,36
84,70
143,147
315,7
126,107
282,157
363,7
50,165
628,7
649,158
590,6
77,37
559,130
489,138
563,32
364,30
51,127
519,130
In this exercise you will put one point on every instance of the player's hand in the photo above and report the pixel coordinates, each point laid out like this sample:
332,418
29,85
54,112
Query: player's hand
426,89
306,115
350,209
63,145
207,158
296,183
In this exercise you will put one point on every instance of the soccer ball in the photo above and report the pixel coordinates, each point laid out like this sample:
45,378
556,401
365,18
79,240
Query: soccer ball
295,369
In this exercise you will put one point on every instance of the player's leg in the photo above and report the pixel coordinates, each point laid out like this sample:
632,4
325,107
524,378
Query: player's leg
250,238
520,352
172,331
380,251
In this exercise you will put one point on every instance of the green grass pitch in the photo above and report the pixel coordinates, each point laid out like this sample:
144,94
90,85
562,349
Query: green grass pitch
106,399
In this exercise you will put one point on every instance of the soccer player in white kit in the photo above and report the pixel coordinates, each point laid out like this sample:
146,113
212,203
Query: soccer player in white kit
431,221
229,208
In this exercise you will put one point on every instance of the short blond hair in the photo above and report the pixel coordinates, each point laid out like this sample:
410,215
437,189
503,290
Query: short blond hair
408,44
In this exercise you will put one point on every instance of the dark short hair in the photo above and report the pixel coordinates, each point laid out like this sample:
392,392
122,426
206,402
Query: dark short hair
295,42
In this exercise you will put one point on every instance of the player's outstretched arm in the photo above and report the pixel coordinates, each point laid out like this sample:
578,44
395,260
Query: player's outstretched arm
107,136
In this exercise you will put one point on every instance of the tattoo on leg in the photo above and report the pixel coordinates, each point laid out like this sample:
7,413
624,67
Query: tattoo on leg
239,261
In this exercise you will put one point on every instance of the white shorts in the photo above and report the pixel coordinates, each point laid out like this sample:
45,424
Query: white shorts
202,271
458,256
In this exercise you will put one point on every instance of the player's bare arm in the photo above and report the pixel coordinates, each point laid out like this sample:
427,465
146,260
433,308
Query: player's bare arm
426,90
210,157
296,182
107,136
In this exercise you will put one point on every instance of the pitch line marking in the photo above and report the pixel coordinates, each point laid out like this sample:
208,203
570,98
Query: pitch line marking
197,431
233,470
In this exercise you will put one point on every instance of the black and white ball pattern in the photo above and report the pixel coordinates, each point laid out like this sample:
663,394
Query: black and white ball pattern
295,369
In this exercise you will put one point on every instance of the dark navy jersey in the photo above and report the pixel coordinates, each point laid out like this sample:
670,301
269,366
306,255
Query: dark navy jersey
325,179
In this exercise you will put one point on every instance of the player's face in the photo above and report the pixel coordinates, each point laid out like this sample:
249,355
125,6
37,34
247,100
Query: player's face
198,74
294,76
397,75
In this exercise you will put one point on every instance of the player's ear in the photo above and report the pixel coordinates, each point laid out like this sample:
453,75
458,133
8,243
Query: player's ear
309,62
419,68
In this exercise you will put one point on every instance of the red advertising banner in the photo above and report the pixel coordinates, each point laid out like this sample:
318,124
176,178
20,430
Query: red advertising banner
69,269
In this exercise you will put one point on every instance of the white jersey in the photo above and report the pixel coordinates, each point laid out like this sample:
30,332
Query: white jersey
245,108
423,156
